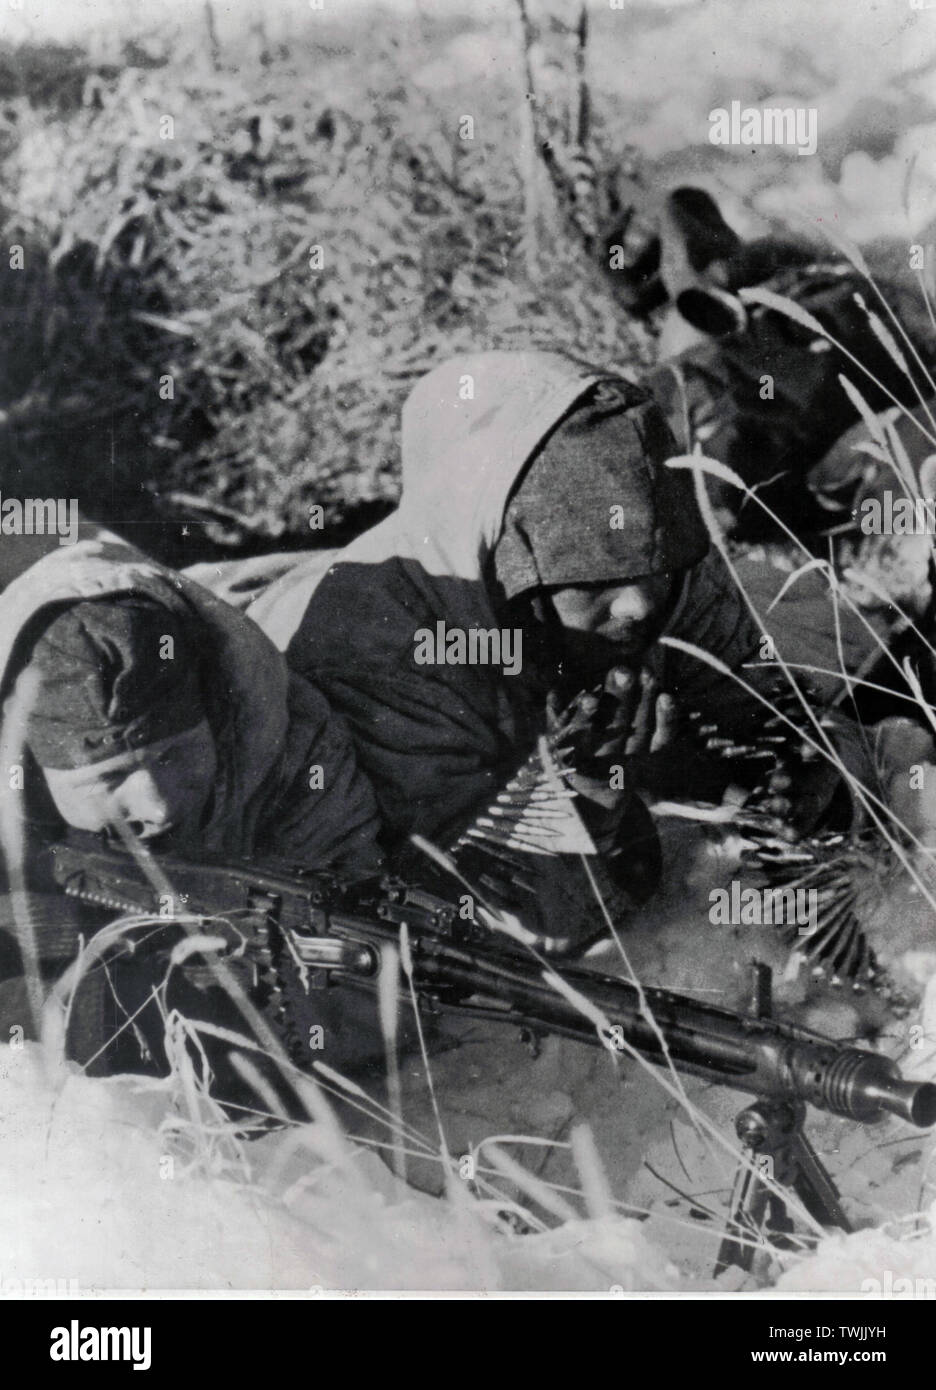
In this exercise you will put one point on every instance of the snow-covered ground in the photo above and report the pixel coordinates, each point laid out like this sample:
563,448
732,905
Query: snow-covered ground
112,1185
134,1183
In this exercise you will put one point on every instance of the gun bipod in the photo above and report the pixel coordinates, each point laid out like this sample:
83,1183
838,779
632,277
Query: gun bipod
776,1154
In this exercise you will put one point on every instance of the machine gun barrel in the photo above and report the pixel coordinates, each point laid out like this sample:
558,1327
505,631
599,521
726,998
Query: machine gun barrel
337,932
765,1057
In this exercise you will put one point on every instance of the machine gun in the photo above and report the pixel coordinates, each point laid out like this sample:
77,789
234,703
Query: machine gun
296,932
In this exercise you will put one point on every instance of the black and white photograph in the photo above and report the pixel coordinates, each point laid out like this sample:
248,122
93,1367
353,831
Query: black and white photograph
468,659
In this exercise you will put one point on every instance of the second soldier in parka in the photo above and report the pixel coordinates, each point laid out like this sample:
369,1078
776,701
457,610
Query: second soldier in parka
537,501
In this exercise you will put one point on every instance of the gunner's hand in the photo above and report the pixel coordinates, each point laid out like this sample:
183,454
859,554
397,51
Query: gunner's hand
646,718
630,718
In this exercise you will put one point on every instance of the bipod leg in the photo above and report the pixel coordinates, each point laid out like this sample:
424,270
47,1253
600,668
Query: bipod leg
766,1130
776,1148
775,1151
814,1187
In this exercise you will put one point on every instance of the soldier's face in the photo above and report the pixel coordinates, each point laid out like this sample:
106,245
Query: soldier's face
161,790
619,620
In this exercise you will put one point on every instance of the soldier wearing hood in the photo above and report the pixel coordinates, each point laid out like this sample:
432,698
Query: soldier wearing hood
537,504
133,695
152,701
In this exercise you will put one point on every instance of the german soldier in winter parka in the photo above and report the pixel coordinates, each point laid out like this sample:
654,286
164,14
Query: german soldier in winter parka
133,695
542,546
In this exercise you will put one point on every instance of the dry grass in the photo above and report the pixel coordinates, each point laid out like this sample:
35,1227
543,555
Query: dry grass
191,257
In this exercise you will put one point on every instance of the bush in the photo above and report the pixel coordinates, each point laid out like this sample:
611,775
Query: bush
190,258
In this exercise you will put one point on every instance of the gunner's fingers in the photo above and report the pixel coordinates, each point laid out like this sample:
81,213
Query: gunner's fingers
644,721
553,712
666,721
624,684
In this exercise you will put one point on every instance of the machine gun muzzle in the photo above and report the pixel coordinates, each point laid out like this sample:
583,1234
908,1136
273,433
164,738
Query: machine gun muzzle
873,1086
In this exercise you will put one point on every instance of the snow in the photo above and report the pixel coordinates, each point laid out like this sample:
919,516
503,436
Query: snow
137,1183
106,1186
